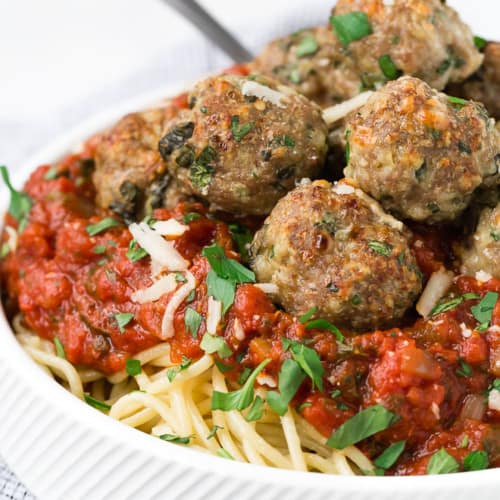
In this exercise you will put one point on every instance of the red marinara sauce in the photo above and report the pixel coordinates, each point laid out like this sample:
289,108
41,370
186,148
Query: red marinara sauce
75,283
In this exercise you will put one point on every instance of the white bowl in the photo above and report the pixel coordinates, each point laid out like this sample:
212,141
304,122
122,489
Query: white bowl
62,448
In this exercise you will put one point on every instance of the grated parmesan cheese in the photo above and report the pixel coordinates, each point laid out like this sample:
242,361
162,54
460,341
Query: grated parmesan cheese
170,227
160,250
167,324
214,314
494,400
466,332
483,276
164,285
263,92
12,241
343,188
238,330
339,111
436,287
269,288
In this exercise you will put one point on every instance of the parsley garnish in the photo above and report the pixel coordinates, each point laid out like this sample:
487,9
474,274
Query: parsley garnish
388,458
308,359
191,216
457,101
388,68
222,367
200,173
307,47
364,424
20,203
51,174
123,319
172,438
240,131
133,367
225,454
476,460
479,42
442,463
323,324
99,249
347,146
214,430
103,225
59,348
290,377
465,369
172,372
483,311
351,27
381,247
4,250
96,403
308,315
242,237
256,411
192,321
212,343
135,252
240,399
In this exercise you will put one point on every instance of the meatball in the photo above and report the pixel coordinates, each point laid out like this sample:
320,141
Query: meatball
130,175
482,250
244,143
332,247
313,62
421,153
484,86
423,38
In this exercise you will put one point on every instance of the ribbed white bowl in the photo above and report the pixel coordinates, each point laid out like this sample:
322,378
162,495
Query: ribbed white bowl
63,449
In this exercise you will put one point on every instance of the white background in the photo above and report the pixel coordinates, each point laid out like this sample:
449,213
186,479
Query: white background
64,60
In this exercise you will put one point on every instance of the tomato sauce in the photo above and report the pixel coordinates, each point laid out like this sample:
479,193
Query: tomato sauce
71,285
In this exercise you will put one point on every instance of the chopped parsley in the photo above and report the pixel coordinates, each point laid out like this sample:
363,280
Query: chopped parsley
351,27
476,460
213,343
242,237
442,463
256,411
295,76
290,378
192,321
4,250
172,372
240,399
381,247
307,47
464,370
133,367
364,424
308,315
308,359
20,203
172,438
221,289
135,252
388,68
240,131
222,367
457,101
180,278
347,146
200,173
224,454
213,431
482,312
96,403
51,174
99,249
390,455
452,303
191,216
123,319
323,324
61,353
479,42
103,225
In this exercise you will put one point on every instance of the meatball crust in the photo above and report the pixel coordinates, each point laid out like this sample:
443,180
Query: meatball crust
333,247
484,85
244,143
129,172
311,61
482,251
423,38
419,152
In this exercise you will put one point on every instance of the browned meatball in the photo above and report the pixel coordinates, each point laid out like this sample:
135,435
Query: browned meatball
481,252
130,175
421,153
332,247
244,143
484,86
423,38
313,62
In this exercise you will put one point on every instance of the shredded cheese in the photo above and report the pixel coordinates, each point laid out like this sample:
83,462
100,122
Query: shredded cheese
12,241
263,92
269,288
239,333
164,285
436,287
160,250
466,332
167,324
343,188
483,276
339,111
214,314
170,227
494,400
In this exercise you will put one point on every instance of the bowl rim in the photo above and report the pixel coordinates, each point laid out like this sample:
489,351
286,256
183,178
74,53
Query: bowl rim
58,397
